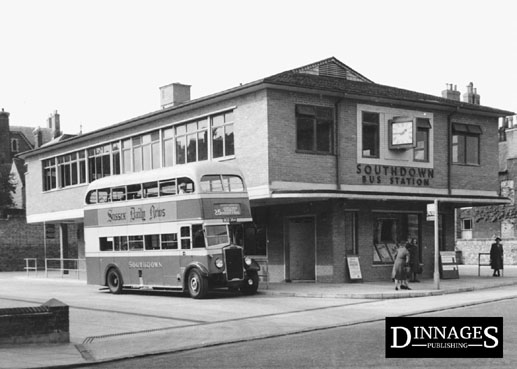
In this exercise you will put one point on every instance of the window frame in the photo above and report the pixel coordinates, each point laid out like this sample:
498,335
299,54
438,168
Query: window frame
317,115
423,125
464,132
377,126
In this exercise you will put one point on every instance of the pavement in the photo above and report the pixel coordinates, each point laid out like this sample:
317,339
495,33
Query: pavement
374,301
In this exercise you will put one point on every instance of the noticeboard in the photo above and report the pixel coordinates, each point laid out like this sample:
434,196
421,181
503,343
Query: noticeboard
354,268
448,265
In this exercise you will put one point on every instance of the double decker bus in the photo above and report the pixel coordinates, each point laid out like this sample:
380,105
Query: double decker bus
178,228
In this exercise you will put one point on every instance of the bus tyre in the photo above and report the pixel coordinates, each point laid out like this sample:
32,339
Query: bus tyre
197,284
114,280
250,285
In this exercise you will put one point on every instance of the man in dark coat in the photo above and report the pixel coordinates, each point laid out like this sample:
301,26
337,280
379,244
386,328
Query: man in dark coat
496,257
414,263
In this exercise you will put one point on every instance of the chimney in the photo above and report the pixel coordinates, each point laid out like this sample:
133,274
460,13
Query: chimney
5,138
54,124
174,94
471,96
451,92
38,137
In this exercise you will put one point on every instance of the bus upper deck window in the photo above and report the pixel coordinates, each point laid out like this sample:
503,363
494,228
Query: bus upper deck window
185,185
134,192
118,194
211,183
151,189
91,197
233,184
103,195
168,188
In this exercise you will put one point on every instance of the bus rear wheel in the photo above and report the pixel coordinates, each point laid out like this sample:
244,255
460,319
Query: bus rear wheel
114,280
197,284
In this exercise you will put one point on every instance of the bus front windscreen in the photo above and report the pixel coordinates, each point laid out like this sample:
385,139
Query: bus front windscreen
217,235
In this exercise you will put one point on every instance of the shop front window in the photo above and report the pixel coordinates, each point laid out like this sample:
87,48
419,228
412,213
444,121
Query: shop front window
390,231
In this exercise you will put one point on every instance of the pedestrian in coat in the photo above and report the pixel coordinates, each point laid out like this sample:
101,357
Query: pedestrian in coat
399,272
496,257
414,263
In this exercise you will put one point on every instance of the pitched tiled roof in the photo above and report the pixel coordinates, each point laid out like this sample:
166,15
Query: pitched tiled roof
369,89
28,132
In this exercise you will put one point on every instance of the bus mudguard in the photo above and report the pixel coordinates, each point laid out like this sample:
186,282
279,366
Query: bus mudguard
196,264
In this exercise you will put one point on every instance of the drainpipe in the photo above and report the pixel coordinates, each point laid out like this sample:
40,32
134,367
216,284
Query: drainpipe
337,141
449,150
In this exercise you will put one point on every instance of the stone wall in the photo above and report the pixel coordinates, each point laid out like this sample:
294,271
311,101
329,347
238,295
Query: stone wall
471,248
48,323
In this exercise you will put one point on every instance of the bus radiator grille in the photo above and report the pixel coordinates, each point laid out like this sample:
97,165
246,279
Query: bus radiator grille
234,264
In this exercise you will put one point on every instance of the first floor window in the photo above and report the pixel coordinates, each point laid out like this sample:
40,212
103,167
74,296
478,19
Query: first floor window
222,135
421,151
371,133
49,174
465,144
314,129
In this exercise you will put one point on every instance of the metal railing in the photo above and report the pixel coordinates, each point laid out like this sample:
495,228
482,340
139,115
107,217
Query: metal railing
65,267
484,260
31,265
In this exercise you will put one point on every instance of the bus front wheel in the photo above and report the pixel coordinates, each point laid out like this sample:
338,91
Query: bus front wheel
197,284
114,280
250,285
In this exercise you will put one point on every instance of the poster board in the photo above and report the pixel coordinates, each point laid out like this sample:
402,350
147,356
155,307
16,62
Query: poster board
448,265
354,268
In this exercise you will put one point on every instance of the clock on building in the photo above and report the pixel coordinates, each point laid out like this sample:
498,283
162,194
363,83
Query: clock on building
402,133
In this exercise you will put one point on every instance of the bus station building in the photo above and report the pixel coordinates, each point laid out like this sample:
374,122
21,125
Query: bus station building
335,164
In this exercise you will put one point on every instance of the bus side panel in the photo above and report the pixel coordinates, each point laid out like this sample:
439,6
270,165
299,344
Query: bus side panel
158,270
94,274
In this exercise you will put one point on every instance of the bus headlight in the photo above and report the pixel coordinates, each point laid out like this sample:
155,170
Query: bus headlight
219,263
247,260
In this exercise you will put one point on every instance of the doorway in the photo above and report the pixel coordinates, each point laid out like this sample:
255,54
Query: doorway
301,249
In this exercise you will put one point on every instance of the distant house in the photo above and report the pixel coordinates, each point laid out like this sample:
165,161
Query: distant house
19,240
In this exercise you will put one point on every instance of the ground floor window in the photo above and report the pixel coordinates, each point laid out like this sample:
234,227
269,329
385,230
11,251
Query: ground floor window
390,230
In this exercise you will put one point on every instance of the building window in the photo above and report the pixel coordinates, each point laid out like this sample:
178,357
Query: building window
71,169
465,144
421,150
222,135
168,147
390,231
314,129
99,162
15,147
146,151
49,174
370,130
466,228
192,142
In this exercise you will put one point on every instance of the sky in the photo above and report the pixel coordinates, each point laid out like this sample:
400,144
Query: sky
99,63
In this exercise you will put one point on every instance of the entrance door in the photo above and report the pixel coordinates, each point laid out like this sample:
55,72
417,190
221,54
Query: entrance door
301,249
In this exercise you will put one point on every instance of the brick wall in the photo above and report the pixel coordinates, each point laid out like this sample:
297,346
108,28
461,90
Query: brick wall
285,164
48,323
19,240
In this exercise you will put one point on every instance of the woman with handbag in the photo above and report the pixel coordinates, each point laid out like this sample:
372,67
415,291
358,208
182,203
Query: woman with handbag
399,272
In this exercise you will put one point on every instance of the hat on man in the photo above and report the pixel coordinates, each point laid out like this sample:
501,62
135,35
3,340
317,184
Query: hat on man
497,239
